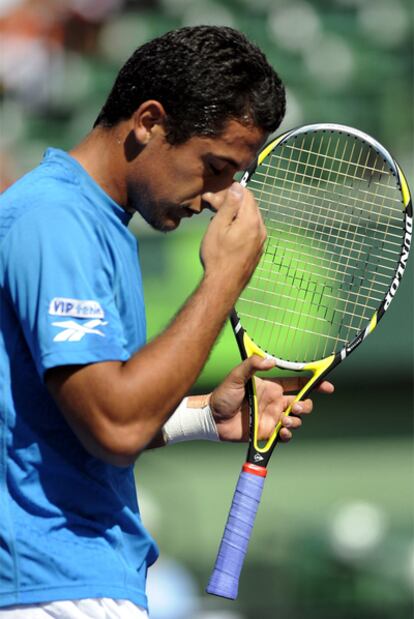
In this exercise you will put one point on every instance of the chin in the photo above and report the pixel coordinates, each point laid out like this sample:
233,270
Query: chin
172,225
168,225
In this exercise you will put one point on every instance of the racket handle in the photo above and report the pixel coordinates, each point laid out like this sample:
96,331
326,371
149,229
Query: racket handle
224,580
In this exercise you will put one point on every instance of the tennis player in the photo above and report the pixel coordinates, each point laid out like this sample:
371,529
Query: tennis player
82,394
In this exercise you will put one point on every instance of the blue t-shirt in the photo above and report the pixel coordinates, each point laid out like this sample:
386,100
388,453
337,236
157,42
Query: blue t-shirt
70,293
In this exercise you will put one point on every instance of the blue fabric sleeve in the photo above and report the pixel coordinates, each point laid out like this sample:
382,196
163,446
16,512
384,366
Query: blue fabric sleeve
60,277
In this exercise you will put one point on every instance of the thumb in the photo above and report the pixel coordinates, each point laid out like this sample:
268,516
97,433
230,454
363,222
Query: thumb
228,201
243,372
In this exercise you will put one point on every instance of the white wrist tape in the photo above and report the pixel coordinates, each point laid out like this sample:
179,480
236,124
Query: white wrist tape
190,424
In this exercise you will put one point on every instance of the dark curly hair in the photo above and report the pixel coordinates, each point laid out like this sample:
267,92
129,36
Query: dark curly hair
203,76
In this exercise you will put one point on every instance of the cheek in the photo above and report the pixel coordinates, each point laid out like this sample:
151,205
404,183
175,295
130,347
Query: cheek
175,179
148,192
185,180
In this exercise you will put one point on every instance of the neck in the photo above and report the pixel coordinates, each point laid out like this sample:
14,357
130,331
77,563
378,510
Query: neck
101,154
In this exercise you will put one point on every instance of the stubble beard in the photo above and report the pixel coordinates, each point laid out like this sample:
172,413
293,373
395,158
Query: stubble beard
159,215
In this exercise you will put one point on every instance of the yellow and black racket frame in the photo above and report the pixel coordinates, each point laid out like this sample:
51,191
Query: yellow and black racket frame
260,455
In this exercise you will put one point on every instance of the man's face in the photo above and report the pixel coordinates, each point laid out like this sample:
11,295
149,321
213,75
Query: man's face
166,182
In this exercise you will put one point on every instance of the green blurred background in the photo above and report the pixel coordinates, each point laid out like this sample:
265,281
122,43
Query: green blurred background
334,535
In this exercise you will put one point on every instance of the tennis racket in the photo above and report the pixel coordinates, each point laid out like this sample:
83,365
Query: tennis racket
338,215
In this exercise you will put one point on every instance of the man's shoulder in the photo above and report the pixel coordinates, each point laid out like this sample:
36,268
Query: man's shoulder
43,196
49,180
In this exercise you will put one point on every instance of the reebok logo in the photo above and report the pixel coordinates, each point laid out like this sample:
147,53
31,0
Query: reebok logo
74,332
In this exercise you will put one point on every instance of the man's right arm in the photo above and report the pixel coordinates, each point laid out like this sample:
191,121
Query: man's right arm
116,408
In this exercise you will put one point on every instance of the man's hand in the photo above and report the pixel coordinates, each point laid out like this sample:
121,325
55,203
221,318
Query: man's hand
234,240
230,409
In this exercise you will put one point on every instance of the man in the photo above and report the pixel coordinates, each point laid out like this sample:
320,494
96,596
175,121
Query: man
83,395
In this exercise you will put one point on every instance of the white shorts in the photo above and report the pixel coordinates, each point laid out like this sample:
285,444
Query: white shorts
99,608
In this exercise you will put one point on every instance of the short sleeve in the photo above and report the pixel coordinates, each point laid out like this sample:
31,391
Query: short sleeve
60,280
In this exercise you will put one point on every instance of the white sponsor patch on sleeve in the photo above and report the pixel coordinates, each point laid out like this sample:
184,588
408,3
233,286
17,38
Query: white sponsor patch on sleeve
75,308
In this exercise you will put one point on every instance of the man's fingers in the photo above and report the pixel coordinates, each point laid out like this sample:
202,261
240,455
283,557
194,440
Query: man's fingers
291,422
326,387
296,383
250,366
302,407
285,435
227,202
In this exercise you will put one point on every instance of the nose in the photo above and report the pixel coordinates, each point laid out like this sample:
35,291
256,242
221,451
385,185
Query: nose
206,205
198,204
219,188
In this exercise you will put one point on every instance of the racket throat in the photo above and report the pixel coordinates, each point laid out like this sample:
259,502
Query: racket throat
257,459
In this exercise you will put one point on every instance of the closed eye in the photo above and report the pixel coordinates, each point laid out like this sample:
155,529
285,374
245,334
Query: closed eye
215,170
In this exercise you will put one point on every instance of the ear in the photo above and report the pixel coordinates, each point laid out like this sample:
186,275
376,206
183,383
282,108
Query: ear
148,121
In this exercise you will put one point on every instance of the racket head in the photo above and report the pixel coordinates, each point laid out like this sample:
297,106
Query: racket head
338,214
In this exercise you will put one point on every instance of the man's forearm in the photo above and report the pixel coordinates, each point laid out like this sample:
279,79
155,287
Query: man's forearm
173,360
118,408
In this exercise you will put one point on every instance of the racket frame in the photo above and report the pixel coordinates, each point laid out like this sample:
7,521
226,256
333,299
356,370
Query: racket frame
224,579
318,368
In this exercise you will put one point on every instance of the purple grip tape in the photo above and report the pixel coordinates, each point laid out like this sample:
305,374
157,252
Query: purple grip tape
224,580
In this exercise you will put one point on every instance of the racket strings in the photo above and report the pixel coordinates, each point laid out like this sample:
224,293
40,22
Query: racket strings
329,255
333,214
360,210
348,176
